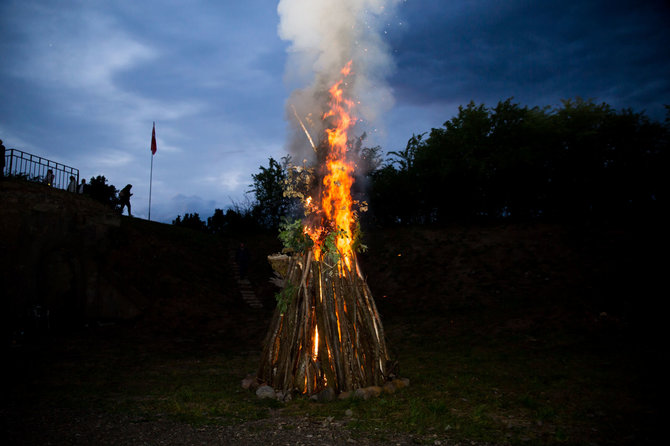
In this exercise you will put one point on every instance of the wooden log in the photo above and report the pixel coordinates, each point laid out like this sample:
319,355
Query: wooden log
335,301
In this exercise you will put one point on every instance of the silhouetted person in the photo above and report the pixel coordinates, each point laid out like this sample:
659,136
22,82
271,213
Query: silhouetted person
72,186
49,179
124,197
242,259
2,160
82,186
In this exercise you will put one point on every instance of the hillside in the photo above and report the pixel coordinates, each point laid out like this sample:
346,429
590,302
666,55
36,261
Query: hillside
519,331
86,265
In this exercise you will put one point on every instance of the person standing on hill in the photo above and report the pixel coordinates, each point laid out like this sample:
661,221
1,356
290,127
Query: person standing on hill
242,259
2,160
72,187
82,186
49,180
124,197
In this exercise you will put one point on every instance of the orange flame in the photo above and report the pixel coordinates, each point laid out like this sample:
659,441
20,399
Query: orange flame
336,200
315,354
335,207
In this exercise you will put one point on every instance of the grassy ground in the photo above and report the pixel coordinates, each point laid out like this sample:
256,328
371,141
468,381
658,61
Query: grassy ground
464,387
502,332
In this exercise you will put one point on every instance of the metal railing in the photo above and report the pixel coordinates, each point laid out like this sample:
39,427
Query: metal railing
36,168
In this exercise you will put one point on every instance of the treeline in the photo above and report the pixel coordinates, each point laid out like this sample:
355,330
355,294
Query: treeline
581,161
264,212
232,221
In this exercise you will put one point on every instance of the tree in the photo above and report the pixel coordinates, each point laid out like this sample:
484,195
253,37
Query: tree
405,158
580,161
397,196
236,219
457,163
99,190
216,224
370,159
191,221
516,178
268,188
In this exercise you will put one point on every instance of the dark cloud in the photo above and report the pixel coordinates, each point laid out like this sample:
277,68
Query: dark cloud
538,52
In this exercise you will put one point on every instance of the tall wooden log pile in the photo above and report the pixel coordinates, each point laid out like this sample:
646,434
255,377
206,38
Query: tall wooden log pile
326,331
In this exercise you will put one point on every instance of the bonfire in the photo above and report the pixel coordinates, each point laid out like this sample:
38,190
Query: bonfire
326,333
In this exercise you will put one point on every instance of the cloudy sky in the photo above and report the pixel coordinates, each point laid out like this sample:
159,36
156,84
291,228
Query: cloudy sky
82,81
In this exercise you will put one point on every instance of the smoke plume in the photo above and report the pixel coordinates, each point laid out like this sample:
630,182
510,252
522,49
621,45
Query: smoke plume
324,36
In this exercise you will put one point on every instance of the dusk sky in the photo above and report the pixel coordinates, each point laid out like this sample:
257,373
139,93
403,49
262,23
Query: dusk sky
82,81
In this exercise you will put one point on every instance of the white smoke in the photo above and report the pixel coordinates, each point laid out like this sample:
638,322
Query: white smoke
324,36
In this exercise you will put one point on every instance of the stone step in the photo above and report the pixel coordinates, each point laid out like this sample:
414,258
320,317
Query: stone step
244,285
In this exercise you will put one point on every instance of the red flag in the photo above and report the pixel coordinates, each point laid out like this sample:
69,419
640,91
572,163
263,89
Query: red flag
153,140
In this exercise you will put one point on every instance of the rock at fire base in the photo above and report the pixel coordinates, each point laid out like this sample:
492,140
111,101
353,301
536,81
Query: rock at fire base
344,395
325,396
389,387
368,392
401,383
266,391
250,382
374,391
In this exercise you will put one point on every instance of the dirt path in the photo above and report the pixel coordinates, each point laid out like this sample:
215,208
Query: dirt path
62,427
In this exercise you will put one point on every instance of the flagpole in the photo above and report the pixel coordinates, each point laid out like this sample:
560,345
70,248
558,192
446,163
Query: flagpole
153,152
151,176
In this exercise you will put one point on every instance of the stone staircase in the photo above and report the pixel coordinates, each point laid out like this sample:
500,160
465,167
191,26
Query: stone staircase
244,285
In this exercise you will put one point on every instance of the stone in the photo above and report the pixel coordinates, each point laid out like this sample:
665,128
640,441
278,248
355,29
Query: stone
249,382
368,392
401,383
265,391
361,394
326,395
344,395
374,391
389,387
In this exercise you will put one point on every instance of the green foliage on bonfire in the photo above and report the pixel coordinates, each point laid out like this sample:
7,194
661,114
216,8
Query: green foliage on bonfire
329,248
293,237
285,296
358,245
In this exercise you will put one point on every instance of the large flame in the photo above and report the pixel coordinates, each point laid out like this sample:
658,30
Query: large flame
335,207
336,201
